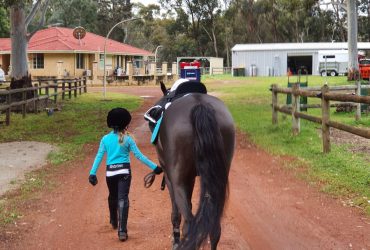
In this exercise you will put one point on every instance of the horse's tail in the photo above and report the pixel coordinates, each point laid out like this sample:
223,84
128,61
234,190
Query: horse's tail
210,162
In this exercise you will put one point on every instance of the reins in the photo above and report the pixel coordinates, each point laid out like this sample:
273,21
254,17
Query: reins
149,179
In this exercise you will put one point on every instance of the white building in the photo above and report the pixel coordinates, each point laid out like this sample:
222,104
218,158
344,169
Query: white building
274,59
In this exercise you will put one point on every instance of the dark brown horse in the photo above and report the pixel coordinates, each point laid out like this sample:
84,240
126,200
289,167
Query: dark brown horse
196,138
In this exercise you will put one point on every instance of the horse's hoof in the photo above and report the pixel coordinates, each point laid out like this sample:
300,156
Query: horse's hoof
175,246
122,236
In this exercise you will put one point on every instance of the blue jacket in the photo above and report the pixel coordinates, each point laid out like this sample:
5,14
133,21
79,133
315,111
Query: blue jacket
118,153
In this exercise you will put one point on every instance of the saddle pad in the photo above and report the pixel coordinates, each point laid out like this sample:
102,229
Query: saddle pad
154,138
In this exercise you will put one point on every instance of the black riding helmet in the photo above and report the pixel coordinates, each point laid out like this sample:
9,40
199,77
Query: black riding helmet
118,119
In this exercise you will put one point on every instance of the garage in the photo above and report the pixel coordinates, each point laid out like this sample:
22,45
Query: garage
296,63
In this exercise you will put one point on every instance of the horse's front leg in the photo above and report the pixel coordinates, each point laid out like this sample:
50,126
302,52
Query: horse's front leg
175,217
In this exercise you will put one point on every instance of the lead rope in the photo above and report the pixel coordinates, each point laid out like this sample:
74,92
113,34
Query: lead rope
149,179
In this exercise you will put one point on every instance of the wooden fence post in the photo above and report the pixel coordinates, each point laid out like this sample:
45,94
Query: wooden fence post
75,88
325,106
70,89
47,94
63,90
80,86
358,105
40,83
24,97
274,104
35,98
55,91
85,84
296,123
8,110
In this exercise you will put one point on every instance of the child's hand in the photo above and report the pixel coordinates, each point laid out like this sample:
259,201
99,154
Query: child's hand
158,170
93,180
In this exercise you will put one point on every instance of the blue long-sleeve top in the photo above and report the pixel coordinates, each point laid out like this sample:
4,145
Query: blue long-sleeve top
118,153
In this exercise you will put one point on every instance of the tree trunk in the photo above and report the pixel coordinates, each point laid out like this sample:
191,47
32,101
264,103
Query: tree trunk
19,41
353,73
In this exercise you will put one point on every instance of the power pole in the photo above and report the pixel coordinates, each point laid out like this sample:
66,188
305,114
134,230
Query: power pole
353,67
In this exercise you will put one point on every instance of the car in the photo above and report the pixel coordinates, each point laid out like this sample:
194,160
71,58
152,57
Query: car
364,66
2,75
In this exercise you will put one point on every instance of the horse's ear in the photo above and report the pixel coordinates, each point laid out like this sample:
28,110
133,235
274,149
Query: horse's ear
163,88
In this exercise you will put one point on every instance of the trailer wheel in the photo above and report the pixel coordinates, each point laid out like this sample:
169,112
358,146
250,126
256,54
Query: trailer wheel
323,73
333,73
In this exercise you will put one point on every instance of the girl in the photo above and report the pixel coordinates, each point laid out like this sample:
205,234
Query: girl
118,144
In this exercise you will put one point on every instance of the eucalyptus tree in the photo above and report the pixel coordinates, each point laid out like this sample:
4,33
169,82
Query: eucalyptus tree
188,11
110,12
4,23
364,21
146,33
211,12
20,36
73,13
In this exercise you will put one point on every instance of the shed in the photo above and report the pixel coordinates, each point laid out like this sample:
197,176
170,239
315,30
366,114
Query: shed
209,64
274,59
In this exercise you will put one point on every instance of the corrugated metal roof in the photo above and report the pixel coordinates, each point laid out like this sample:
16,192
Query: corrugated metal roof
296,46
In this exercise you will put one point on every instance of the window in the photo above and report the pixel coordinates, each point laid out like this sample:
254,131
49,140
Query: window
38,61
80,62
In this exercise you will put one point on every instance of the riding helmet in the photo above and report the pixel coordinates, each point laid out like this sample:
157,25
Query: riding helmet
118,118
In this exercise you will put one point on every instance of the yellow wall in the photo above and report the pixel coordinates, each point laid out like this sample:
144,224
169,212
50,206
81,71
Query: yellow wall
56,64
68,64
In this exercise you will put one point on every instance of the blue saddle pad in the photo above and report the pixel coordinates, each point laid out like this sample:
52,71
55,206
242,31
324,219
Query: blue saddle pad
154,137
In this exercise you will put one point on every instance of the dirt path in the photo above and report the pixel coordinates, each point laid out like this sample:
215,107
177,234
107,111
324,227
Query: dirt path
268,207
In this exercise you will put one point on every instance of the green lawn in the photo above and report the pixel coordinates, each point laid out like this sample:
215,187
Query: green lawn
340,173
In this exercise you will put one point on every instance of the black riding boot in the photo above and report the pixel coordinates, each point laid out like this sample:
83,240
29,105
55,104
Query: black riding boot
113,213
122,218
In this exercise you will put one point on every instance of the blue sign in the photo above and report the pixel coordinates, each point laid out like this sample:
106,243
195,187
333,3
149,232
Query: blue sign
190,74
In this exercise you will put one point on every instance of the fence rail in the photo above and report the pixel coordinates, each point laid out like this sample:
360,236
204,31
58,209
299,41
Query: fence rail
40,91
326,94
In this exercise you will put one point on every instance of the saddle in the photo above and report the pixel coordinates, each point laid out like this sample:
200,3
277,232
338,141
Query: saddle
155,114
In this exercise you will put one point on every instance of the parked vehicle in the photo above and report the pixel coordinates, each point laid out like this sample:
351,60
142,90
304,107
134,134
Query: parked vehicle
364,65
2,75
333,62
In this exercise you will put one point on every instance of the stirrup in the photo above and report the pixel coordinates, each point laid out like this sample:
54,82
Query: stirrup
147,115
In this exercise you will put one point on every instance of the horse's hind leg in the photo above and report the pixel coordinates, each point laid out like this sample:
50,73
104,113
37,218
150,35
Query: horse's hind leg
175,217
183,195
214,237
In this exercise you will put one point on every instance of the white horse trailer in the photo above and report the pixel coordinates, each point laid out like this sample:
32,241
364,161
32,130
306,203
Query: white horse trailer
333,62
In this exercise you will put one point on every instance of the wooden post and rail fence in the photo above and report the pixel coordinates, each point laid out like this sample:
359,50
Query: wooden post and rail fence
43,90
326,94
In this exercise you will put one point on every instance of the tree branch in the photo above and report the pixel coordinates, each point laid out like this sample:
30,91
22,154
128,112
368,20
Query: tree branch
42,20
33,12
209,35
